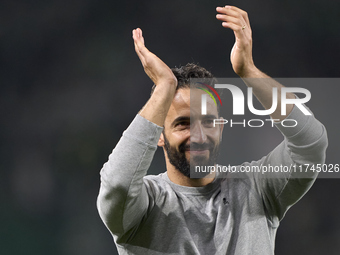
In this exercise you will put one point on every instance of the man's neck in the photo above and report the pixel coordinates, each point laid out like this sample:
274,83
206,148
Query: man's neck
178,178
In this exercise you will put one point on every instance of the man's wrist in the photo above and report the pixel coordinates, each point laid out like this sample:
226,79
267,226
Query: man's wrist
251,72
157,107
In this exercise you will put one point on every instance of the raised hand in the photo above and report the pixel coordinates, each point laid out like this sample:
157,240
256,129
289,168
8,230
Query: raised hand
154,67
157,107
241,54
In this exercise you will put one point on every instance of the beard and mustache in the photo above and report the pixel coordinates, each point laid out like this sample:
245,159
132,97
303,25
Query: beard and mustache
178,159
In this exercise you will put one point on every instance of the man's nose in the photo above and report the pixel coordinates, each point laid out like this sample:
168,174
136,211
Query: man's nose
197,134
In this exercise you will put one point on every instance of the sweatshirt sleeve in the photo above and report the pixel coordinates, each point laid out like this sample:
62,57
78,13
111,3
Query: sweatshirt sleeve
123,199
303,145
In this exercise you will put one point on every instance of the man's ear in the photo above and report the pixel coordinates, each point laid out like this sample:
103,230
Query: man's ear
161,140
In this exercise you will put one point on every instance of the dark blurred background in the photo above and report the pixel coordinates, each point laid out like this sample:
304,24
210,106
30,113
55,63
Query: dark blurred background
70,83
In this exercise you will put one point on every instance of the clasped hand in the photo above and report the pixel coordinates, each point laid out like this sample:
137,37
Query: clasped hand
240,56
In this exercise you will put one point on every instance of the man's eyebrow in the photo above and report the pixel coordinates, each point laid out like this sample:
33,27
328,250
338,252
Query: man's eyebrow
179,119
209,116
186,118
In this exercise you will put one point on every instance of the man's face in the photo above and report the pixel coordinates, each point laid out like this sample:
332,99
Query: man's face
190,139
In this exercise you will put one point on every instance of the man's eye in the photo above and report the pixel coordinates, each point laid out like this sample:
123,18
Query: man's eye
208,122
183,124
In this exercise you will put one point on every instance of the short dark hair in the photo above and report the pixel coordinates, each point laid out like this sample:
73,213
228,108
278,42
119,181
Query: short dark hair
189,71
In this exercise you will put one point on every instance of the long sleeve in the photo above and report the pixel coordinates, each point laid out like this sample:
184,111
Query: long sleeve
305,144
123,198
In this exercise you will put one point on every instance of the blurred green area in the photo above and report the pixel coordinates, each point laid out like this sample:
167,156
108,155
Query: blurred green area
70,83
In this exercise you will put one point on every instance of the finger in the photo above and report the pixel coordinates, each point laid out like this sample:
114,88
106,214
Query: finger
237,30
139,40
135,39
140,48
232,26
140,35
232,16
234,12
231,19
228,10
243,13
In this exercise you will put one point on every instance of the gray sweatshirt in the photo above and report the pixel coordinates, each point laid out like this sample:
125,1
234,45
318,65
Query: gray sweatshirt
233,215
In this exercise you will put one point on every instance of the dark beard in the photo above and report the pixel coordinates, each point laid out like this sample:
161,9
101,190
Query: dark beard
179,161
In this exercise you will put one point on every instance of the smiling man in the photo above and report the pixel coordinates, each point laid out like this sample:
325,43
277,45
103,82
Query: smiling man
172,213
189,138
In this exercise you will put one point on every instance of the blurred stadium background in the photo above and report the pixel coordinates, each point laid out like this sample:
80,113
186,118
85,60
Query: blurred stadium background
70,83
